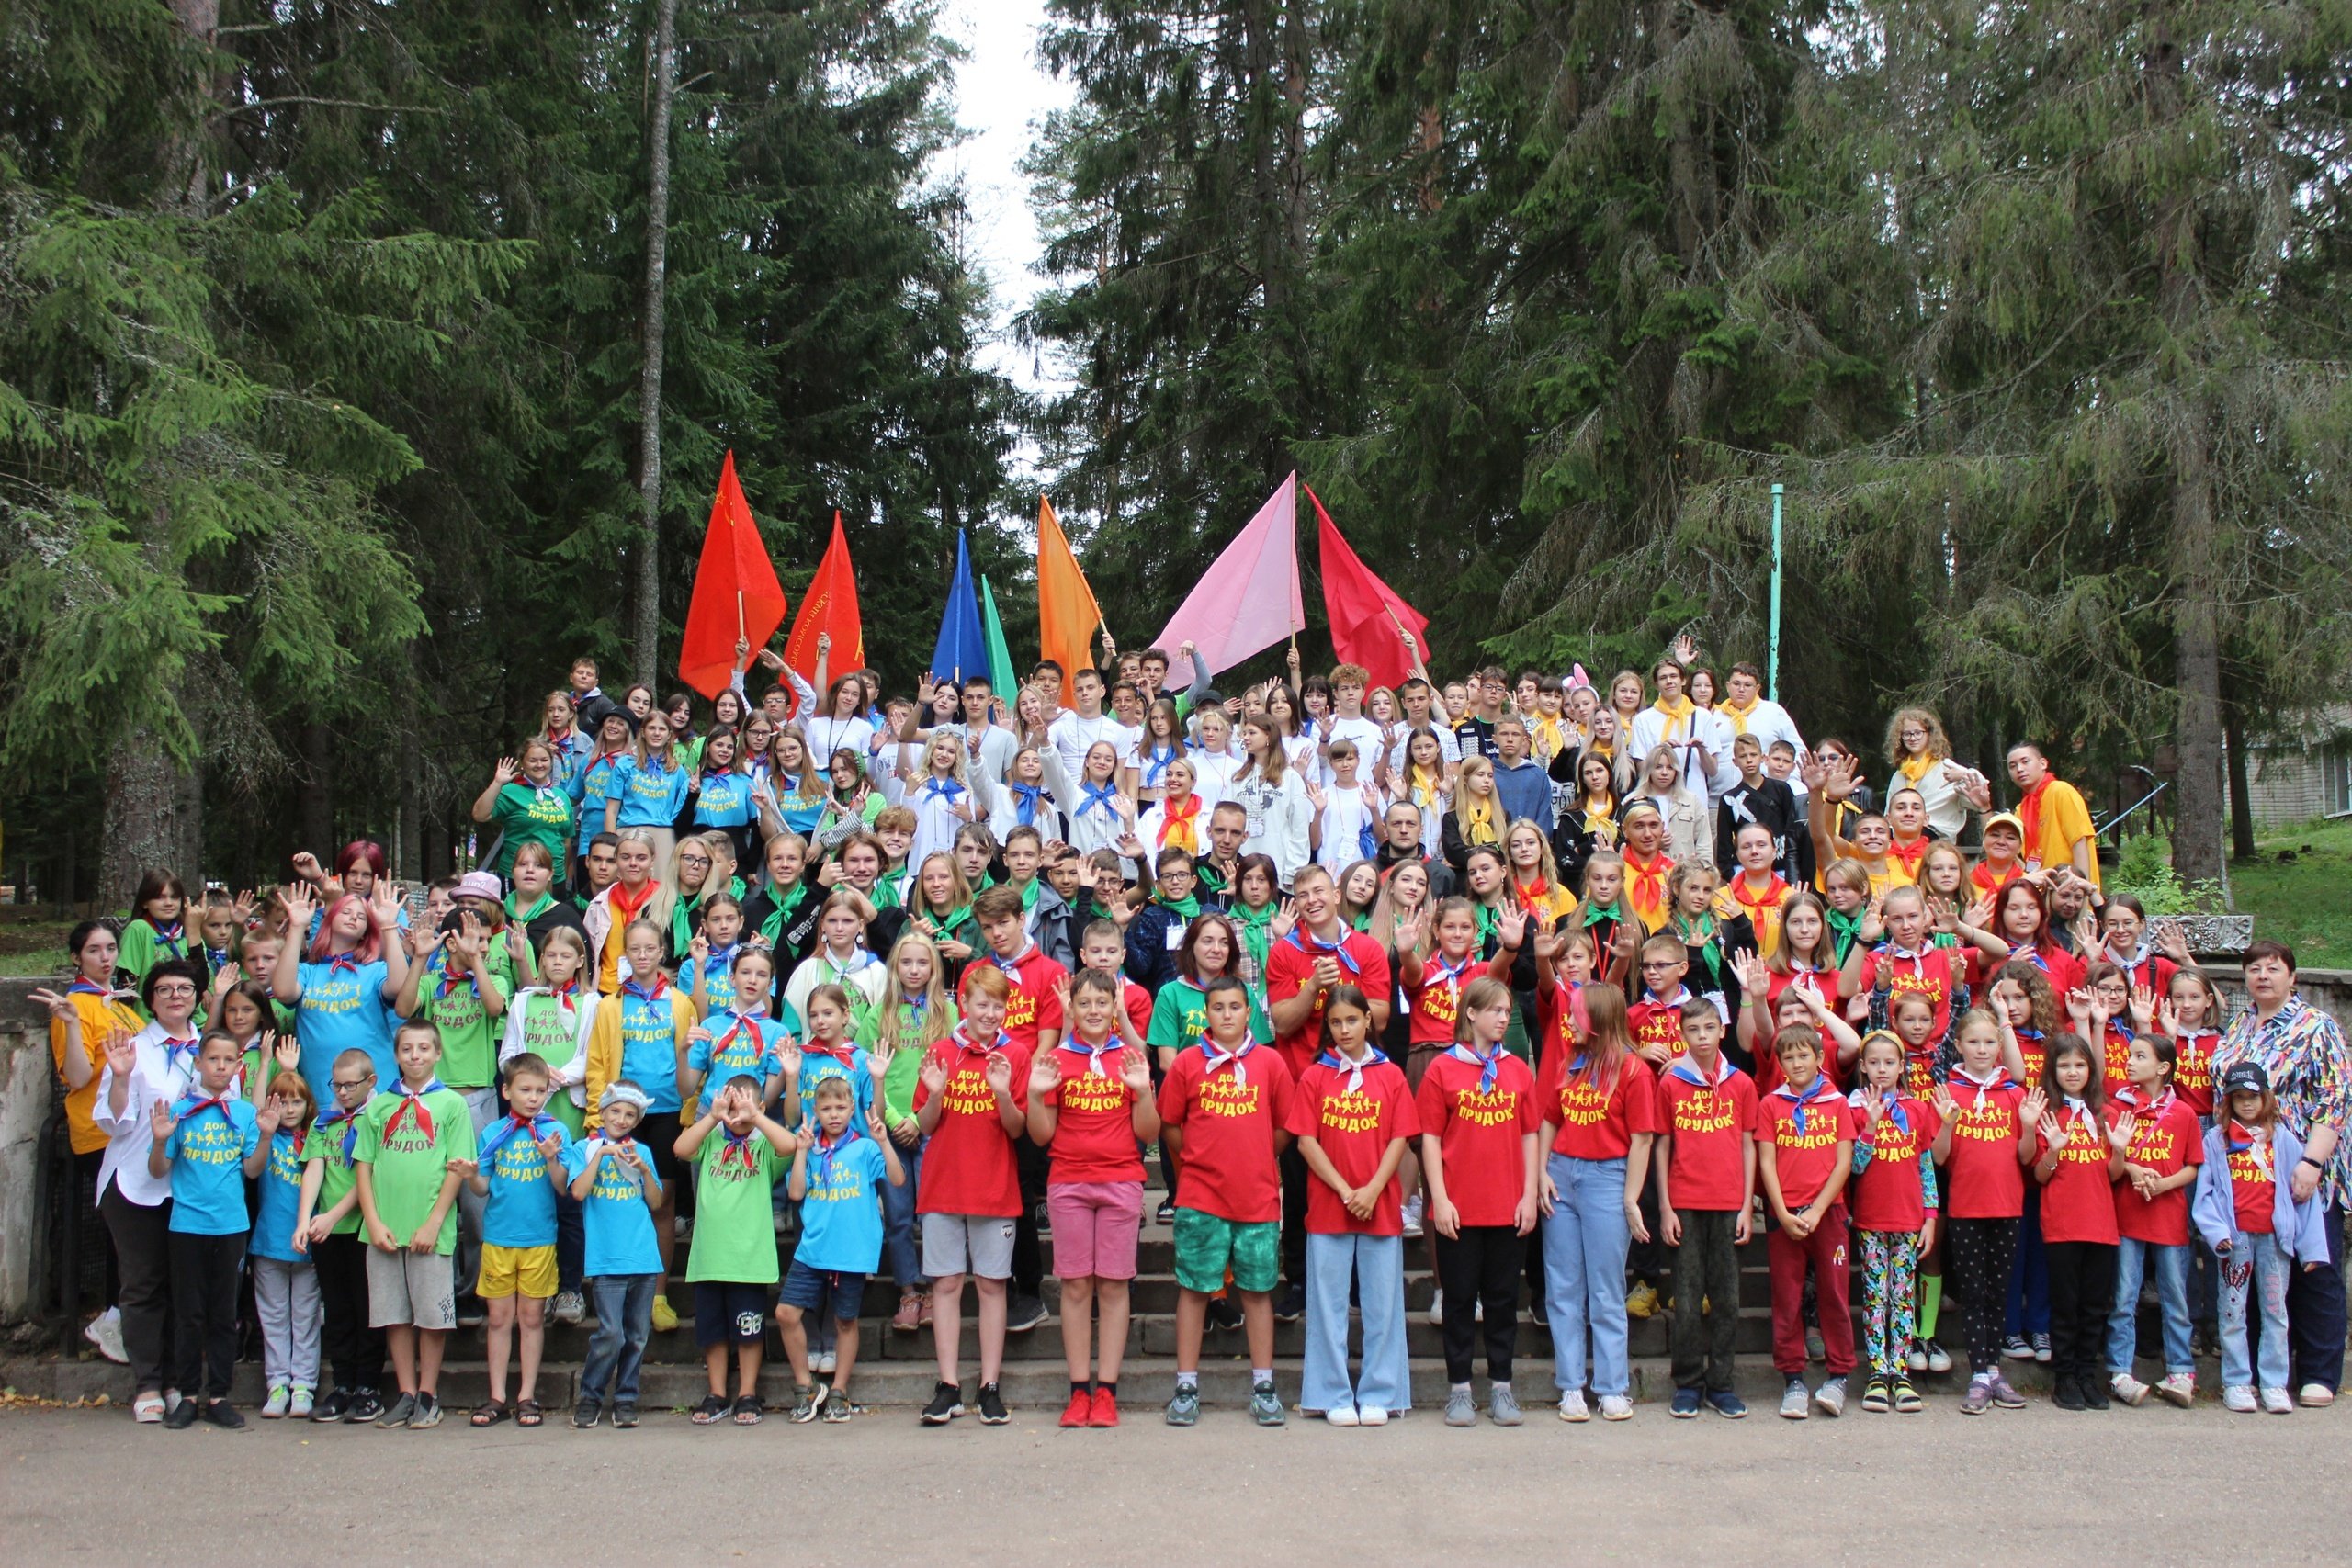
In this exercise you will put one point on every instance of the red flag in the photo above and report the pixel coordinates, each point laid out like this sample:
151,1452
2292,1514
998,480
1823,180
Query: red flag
736,597
1368,620
830,606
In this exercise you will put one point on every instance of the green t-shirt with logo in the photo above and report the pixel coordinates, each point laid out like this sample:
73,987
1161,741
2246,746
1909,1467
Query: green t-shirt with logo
734,1210
529,816
336,1177
410,1161
469,1035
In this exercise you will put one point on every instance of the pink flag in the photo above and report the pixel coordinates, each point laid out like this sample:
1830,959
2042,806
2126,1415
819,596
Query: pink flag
1250,598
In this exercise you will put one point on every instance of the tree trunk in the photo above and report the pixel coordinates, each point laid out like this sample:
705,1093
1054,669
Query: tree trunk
2241,794
316,815
646,658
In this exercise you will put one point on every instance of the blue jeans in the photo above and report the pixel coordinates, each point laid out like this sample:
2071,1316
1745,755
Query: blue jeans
1585,1241
2028,1311
899,1241
2170,1266
1376,1264
616,1351
2271,1270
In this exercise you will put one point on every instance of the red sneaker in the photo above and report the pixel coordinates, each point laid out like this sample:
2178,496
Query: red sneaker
1105,1412
1081,1407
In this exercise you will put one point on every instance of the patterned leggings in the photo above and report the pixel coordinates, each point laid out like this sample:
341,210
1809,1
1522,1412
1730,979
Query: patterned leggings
1890,1275
1978,1255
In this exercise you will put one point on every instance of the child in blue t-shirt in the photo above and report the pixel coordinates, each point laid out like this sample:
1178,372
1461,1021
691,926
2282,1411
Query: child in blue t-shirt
738,1037
614,1178
211,1143
285,1280
829,1053
516,1161
838,1169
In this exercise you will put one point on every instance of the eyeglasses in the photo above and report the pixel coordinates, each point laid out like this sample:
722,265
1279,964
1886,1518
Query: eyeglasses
349,1083
1650,963
176,990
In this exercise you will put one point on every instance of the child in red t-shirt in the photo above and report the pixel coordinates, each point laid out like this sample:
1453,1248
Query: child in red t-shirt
968,1102
1478,1122
1225,1104
1893,1215
1705,1157
1805,1145
2076,1164
1657,1018
1103,949
2189,1015
2161,1144
1353,1117
1090,1104
1982,1115
2100,1011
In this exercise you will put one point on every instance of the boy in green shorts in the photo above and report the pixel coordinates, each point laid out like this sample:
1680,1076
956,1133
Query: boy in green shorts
732,1266
1222,1111
415,1148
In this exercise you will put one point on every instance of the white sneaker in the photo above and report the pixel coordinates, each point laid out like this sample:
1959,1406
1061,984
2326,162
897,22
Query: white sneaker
2316,1397
571,1308
824,1361
1342,1416
2130,1390
105,1331
273,1408
1412,1216
1572,1406
1796,1401
1371,1416
1616,1407
1435,1316
2239,1399
2277,1402
147,1409
1830,1397
2179,1388
299,1408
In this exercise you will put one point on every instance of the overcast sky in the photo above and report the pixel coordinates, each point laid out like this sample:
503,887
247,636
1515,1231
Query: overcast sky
1001,96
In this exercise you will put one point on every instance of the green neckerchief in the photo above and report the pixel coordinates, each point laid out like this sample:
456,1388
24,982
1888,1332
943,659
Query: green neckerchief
890,892
1701,934
682,925
1489,923
772,927
1029,895
1095,911
1596,913
945,925
1361,922
1845,931
1211,877
1257,933
1188,906
525,917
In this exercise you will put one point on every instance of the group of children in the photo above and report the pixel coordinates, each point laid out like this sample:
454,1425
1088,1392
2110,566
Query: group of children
1562,1048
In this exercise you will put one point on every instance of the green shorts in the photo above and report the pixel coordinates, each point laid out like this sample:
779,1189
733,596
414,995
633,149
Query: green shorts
1206,1245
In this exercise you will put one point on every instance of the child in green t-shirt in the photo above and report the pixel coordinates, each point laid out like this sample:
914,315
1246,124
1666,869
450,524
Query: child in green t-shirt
457,985
733,1265
326,1225
415,1147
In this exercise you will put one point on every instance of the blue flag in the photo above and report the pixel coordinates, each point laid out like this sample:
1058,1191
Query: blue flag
963,650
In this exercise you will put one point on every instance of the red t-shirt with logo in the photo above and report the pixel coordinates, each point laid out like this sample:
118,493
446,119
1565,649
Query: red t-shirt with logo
1227,1121
2165,1143
2114,1057
1708,1122
1887,1196
2192,1069
1479,1135
968,1166
1094,1126
1806,1159
1032,1005
1656,1023
1597,1121
1982,1179
1928,974
2077,1201
2033,1050
2254,1189
1354,1128
1437,1001
1290,966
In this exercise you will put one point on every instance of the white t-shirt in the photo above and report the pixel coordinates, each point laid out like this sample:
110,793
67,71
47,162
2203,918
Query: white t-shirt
1073,736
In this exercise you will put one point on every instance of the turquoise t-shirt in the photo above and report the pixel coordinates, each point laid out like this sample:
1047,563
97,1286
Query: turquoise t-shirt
520,1210
617,1226
650,1047
816,1068
651,793
599,783
724,800
208,1152
841,1218
738,1044
281,1198
342,1007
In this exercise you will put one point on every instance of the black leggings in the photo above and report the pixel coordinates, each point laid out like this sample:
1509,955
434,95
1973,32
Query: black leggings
2082,1292
1978,1255
205,1270
1480,1268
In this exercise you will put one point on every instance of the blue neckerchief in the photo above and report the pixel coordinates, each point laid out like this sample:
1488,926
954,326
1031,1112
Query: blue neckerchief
632,986
1372,1058
1799,1101
1096,794
1490,1063
824,1152
1025,812
1316,946
217,957
1219,1056
937,788
195,1104
1893,1101
175,1049
349,1120
1155,765
1684,1068
492,1142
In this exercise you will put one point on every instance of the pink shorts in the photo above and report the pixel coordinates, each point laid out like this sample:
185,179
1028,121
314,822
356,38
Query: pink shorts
1095,1225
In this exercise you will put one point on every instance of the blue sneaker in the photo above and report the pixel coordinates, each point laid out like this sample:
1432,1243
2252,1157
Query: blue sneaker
1727,1404
1686,1404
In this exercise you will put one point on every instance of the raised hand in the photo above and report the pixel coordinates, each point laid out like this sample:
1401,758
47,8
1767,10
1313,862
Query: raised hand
1044,1074
2030,1109
59,1005
933,1077
1134,1071
2120,1131
998,1072
2078,1006
878,1064
2142,1005
1946,1107
384,903
121,1056
1510,926
505,774
2051,1133
2168,1020
159,1120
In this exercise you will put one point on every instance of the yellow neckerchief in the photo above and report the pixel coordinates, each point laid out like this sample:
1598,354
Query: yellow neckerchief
1737,715
1914,769
1422,782
1596,816
1478,820
1549,730
1677,713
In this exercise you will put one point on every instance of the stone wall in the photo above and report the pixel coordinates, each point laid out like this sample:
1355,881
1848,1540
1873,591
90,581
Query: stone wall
25,1096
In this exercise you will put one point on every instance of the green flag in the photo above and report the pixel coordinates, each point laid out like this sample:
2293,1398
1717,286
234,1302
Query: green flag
1000,659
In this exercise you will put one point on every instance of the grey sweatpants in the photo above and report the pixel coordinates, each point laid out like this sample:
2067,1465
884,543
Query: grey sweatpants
286,1298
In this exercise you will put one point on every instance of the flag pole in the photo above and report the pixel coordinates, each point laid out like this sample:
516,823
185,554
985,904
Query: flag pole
1772,667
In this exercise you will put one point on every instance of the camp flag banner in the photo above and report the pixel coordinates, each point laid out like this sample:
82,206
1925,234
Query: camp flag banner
963,647
1000,656
1248,600
737,597
1067,615
830,606
1368,620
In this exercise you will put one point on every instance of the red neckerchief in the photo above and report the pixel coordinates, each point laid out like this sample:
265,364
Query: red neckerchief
1909,855
411,1103
627,907
1179,821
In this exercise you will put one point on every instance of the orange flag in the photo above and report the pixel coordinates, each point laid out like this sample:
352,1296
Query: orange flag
828,605
736,593
1067,615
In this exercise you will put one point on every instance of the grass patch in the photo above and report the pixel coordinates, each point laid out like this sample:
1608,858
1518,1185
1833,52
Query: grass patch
2299,890
29,946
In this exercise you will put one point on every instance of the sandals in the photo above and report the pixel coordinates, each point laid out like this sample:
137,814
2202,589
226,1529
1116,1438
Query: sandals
527,1413
712,1409
490,1413
748,1410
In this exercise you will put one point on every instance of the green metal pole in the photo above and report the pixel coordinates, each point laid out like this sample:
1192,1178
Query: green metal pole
1772,669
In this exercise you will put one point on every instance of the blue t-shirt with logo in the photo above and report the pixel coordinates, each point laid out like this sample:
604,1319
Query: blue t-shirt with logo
342,1007
816,1068
841,1217
724,800
731,1050
617,1226
281,1198
520,1210
650,1047
651,793
596,783
208,1153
